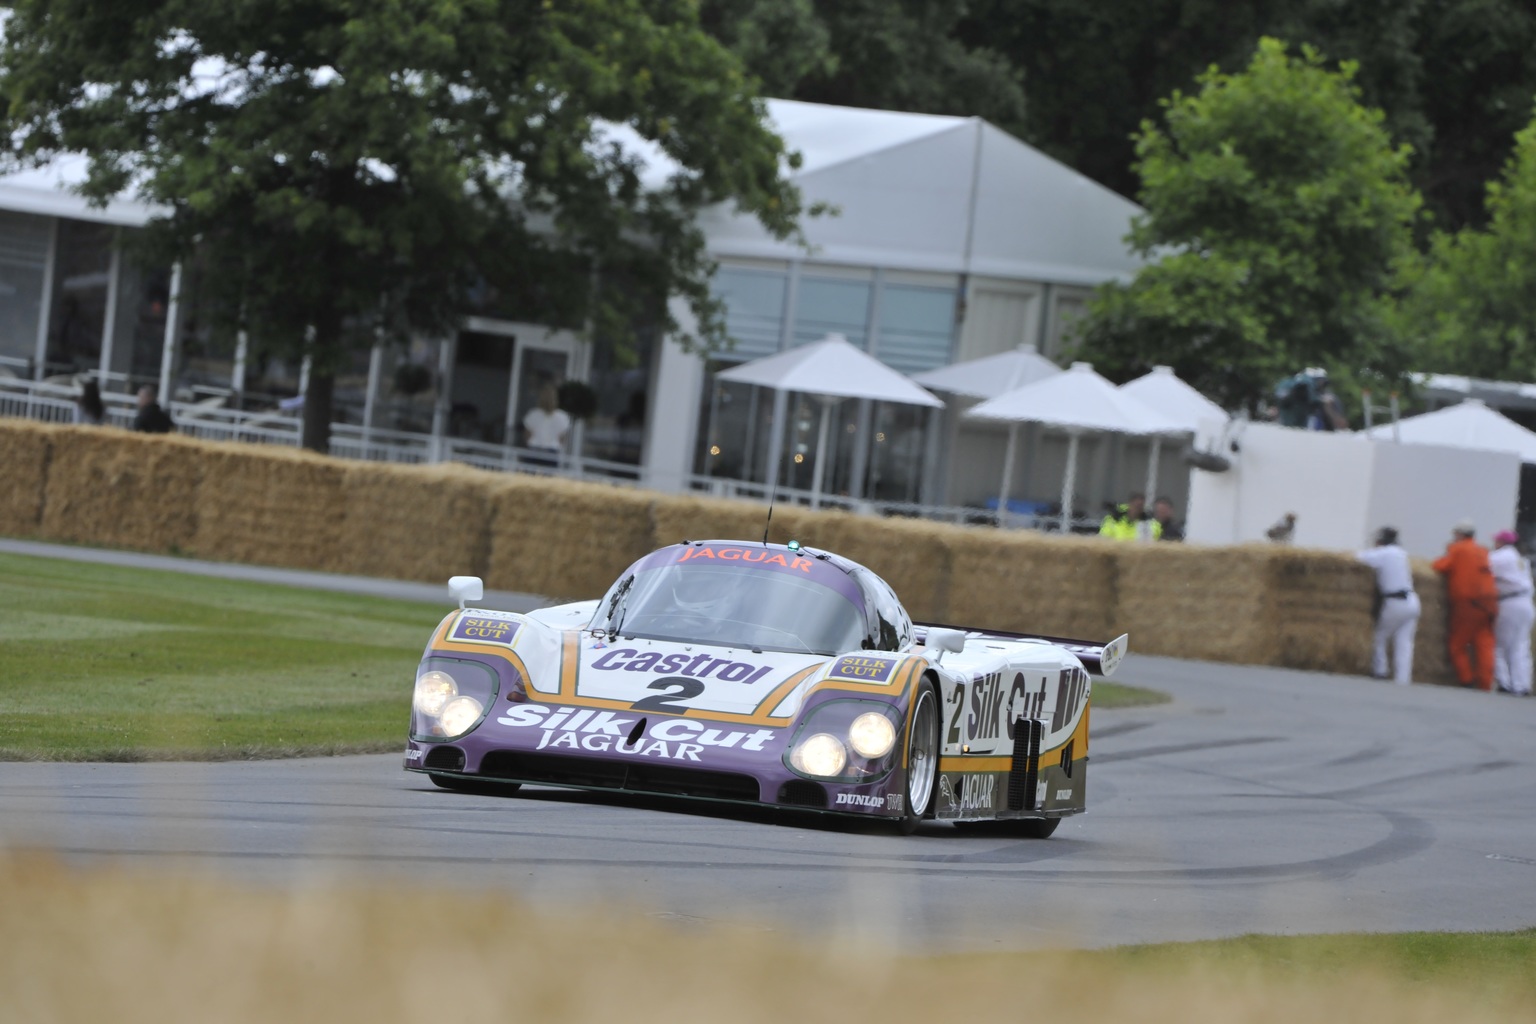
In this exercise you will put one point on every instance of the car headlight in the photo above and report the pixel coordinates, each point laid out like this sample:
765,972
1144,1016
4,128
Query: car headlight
433,690
451,698
459,715
821,754
849,740
872,735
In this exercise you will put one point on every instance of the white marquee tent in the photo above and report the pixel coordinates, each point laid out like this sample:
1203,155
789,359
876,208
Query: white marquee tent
1470,424
1164,391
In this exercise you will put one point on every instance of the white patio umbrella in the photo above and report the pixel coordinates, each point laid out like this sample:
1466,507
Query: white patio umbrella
1164,391
832,369
1468,424
1078,401
990,376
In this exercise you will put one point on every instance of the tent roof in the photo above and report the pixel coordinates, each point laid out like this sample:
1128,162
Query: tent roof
1175,399
938,194
1079,399
830,367
990,376
1471,424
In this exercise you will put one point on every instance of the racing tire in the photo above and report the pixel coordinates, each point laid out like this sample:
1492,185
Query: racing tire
462,785
922,758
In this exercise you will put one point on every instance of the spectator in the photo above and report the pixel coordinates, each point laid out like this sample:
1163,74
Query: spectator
1307,400
1474,603
1169,528
89,408
151,419
1396,608
546,427
1512,629
1131,521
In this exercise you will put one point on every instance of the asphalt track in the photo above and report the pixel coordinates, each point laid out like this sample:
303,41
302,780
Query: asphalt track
1260,800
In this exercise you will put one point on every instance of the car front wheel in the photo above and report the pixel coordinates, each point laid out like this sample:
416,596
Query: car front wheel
922,758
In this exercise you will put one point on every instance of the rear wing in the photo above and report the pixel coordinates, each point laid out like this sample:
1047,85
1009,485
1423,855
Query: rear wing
1100,659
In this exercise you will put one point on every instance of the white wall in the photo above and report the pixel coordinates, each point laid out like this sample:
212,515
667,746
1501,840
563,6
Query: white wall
1343,486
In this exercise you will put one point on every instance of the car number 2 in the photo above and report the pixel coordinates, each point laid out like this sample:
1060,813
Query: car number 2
681,687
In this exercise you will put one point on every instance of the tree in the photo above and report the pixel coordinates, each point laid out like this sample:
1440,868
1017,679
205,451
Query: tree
346,167
886,54
1469,303
1278,211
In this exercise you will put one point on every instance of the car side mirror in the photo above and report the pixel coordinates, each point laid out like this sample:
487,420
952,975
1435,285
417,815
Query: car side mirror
942,640
465,588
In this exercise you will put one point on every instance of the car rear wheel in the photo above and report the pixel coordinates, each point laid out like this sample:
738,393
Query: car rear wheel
462,785
922,758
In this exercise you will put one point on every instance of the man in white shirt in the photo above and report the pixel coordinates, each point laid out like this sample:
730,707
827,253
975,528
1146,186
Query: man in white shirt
1397,606
1512,629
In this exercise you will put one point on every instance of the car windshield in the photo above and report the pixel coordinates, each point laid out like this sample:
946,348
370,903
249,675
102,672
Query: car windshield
733,606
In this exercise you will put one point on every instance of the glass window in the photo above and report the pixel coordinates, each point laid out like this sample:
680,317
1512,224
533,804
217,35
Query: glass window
754,308
829,305
916,327
79,302
23,255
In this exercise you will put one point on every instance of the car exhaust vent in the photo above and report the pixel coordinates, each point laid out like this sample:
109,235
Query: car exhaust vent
450,759
1024,773
1066,759
802,793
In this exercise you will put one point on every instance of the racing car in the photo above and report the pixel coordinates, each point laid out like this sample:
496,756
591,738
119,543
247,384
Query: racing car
768,674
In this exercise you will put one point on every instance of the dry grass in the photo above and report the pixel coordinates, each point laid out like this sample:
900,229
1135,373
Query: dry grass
107,944
24,452
124,490
564,539
415,522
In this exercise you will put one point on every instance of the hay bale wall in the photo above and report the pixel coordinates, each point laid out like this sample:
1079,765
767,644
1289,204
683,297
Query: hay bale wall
25,448
415,522
1194,602
270,506
122,490
563,539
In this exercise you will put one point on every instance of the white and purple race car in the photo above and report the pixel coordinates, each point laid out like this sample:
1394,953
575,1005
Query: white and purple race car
764,674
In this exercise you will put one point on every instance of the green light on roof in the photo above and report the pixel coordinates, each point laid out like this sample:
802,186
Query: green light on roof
793,545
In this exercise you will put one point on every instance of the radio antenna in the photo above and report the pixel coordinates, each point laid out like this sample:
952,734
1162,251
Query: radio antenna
773,493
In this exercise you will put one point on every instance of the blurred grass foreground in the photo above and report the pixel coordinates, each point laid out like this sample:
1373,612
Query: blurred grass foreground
109,944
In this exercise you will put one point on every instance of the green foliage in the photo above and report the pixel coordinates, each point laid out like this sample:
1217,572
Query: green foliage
885,54
109,663
1278,212
1469,302
355,167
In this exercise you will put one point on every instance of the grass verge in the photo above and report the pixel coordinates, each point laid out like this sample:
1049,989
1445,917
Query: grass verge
109,944
1118,695
106,663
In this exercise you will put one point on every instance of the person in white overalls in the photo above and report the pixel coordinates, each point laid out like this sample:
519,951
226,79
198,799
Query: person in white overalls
1397,606
1512,629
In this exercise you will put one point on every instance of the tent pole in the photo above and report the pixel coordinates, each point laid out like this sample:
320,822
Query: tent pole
821,451
1007,482
1153,454
1069,483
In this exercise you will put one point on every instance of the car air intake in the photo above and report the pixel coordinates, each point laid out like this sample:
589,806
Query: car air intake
803,793
448,759
1024,773
590,773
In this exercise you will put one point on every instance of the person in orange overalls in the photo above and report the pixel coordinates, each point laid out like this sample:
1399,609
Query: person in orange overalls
1474,600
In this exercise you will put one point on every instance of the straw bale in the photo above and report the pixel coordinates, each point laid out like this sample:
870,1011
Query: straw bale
1431,652
266,505
25,448
415,522
114,488
679,518
564,539
1034,583
1319,606
911,555
1185,601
